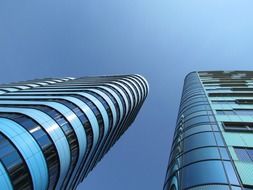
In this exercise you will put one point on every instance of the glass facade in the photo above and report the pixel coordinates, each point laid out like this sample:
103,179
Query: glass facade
213,141
54,131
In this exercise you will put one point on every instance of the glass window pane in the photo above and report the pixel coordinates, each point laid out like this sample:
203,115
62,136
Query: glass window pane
201,154
215,174
199,128
211,187
244,112
219,139
224,154
231,173
242,154
199,140
250,153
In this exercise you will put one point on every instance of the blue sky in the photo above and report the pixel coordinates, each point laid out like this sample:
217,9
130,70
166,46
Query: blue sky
161,39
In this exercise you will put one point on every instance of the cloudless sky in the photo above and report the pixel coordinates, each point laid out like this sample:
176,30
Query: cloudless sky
161,39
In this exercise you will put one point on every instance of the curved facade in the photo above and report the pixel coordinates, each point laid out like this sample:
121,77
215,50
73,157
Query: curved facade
54,131
213,141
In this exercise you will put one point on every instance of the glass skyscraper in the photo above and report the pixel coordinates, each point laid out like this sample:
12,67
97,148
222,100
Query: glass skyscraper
54,131
213,141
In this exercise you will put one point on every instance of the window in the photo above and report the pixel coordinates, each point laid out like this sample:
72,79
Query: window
195,114
15,165
231,173
198,119
219,139
239,112
197,129
201,154
222,101
199,140
243,112
242,89
212,187
218,89
214,175
224,154
230,94
244,101
233,85
238,126
225,112
244,154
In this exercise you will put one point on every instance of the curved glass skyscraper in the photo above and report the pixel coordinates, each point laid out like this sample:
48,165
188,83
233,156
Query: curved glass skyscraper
54,131
213,142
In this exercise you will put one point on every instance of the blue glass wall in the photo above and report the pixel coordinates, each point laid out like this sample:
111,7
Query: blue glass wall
199,158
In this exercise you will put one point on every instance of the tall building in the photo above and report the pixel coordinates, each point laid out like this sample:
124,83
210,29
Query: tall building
54,131
213,141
